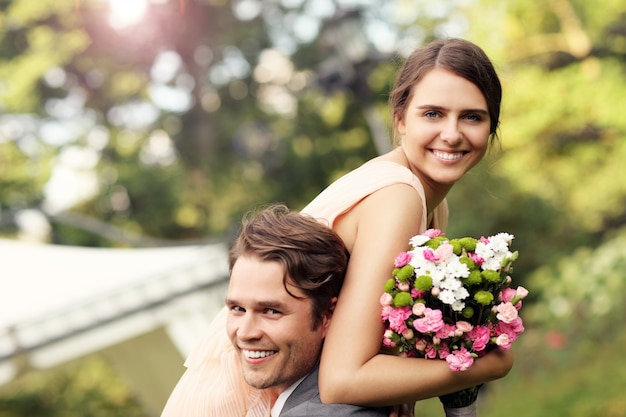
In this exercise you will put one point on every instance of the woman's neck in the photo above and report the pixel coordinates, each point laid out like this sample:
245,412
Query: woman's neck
434,193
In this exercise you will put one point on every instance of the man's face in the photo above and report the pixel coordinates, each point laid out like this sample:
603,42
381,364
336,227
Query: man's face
271,330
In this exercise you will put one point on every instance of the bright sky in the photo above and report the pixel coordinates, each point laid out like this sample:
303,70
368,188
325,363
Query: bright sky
126,12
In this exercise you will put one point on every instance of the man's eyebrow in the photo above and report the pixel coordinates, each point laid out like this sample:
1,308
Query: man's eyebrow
278,305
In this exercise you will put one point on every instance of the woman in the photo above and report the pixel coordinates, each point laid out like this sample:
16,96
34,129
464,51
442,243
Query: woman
446,109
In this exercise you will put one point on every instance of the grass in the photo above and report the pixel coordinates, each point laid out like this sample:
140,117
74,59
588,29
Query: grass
555,375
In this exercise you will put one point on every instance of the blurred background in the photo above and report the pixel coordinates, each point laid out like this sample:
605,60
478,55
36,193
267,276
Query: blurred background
135,133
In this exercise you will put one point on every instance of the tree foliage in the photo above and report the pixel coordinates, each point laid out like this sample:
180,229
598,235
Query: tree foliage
88,388
175,126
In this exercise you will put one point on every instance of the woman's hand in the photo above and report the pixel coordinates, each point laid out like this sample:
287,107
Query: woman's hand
496,364
402,410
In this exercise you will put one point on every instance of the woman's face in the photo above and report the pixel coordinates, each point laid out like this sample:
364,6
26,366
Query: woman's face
445,128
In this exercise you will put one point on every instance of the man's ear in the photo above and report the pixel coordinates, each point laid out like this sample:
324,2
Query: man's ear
329,314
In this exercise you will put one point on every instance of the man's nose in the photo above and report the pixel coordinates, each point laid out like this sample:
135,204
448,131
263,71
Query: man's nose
249,327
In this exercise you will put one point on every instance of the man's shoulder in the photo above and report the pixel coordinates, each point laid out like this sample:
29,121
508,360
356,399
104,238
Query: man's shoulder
305,402
314,408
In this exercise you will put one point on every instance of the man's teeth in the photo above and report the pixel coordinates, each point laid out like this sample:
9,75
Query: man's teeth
256,354
448,156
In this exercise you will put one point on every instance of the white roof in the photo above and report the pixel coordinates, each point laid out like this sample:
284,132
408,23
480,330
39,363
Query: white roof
41,280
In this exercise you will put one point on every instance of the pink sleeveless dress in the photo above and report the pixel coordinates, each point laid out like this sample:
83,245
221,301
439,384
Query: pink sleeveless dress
212,385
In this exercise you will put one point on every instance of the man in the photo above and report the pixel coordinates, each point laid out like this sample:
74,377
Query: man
286,272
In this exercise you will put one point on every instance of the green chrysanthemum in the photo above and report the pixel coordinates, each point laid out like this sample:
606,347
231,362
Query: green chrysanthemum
467,312
468,243
467,261
474,278
483,297
435,242
390,285
402,299
404,273
457,247
491,276
424,283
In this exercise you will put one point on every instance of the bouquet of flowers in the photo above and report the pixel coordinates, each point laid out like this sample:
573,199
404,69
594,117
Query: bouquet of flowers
452,299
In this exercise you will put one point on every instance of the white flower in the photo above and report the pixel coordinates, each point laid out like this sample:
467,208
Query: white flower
458,305
501,240
494,251
492,263
418,240
461,293
447,297
456,268
450,283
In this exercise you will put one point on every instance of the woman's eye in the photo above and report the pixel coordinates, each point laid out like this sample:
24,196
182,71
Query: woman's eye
431,114
473,117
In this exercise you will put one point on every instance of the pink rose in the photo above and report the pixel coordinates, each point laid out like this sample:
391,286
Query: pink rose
446,331
513,329
420,345
464,326
517,325
431,322
397,317
404,286
388,342
514,296
415,293
443,351
507,294
444,251
460,360
418,309
402,259
479,336
503,341
431,352
408,334
386,299
521,292
429,255
385,311
506,312
431,233
477,259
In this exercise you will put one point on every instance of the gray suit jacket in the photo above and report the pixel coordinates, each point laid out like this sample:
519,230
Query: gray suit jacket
304,401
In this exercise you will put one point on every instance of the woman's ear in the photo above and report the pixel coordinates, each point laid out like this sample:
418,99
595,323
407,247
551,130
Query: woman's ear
399,124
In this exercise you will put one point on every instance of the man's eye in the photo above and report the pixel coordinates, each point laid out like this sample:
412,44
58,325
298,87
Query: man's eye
272,312
238,309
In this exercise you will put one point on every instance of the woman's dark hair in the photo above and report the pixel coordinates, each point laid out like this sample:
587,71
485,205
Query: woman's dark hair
313,255
458,56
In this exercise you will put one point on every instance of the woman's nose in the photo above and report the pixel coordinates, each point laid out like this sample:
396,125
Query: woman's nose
451,133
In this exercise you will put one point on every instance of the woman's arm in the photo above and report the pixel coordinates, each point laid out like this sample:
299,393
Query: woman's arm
352,370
